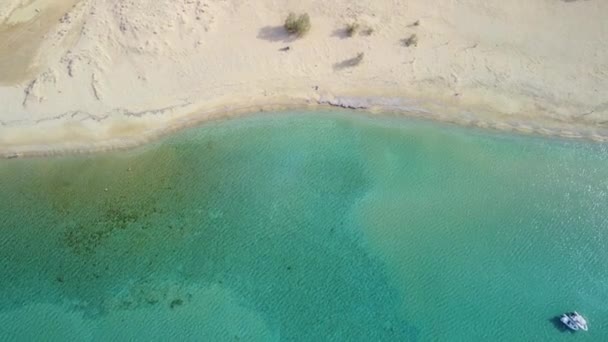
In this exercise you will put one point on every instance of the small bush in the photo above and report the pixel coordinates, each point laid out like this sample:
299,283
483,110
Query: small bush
351,62
351,29
410,41
368,31
298,25
357,60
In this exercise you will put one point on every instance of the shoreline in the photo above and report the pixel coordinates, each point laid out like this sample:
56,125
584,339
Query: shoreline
368,106
105,75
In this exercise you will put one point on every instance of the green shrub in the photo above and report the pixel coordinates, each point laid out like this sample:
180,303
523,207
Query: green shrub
298,25
352,28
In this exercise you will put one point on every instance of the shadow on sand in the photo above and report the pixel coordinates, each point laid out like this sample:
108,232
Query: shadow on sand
340,33
275,34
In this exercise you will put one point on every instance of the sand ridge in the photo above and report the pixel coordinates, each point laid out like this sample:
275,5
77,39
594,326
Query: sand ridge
105,73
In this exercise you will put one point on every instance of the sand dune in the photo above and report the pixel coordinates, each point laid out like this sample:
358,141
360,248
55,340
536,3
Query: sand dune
97,74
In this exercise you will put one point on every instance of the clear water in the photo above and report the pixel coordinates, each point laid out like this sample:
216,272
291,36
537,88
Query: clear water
315,227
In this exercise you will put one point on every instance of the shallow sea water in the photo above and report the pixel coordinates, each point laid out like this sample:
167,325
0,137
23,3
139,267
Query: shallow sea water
308,227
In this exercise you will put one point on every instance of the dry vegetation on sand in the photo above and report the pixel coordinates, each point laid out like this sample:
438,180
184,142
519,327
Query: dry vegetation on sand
297,25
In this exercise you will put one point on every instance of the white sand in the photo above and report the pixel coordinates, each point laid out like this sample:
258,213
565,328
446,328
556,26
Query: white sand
95,74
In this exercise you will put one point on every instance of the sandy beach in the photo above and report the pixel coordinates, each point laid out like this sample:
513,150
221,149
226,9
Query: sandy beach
87,75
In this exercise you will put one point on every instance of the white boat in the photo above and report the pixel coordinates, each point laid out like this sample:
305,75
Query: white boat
574,321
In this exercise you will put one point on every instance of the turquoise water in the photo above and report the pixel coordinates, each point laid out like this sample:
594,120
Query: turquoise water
293,227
